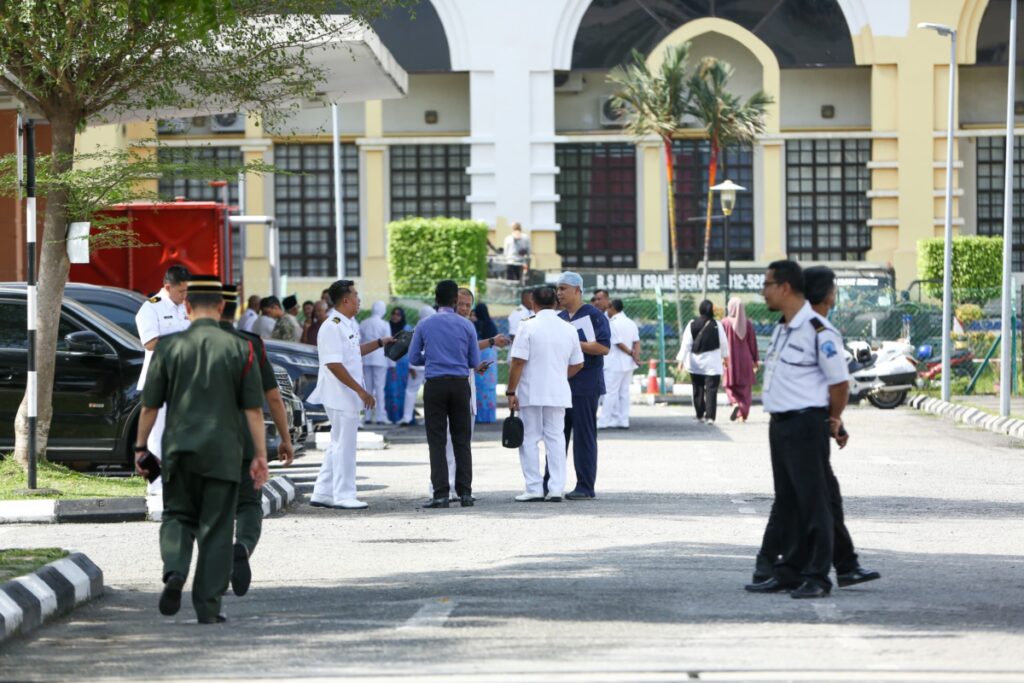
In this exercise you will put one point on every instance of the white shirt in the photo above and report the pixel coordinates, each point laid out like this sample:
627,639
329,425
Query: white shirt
247,320
513,246
338,342
372,329
802,363
264,326
549,345
624,331
517,316
158,317
709,362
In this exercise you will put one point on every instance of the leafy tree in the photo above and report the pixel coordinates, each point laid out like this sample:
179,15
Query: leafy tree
728,120
656,102
75,62
977,268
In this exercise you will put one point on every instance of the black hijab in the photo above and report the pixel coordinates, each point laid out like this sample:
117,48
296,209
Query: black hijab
400,325
485,327
708,339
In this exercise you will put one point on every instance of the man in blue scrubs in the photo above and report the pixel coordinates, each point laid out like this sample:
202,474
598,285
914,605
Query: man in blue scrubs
588,384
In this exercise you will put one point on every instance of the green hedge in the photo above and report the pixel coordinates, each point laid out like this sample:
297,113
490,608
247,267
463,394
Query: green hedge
977,268
422,251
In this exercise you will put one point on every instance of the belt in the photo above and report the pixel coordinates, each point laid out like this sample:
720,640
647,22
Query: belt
462,378
790,414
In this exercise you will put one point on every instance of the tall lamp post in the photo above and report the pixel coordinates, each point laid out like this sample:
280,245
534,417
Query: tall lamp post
1006,323
947,265
727,195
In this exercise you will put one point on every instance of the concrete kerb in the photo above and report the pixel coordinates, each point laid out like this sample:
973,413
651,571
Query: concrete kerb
60,511
968,415
28,601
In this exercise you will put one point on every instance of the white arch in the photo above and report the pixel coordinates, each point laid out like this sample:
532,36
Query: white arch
456,32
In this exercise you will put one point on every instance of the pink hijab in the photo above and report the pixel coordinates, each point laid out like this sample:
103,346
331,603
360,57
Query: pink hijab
737,316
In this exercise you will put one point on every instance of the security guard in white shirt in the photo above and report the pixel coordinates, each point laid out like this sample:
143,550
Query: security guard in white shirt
162,314
805,389
524,311
340,389
544,355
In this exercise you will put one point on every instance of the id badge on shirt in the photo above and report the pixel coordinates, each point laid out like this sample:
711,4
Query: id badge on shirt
769,371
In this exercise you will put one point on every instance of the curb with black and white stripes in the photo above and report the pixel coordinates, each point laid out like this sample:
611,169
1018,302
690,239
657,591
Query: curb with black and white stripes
26,602
278,493
1008,426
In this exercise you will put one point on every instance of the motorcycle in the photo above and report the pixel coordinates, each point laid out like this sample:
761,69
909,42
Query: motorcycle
883,377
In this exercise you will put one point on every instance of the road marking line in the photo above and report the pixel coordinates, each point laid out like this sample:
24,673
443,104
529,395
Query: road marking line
748,511
431,615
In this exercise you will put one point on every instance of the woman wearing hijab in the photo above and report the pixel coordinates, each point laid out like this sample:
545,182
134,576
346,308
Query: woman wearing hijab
398,372
704,354
487,383
415,380
743,359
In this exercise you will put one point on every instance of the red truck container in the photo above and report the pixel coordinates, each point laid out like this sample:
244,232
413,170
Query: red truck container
186,233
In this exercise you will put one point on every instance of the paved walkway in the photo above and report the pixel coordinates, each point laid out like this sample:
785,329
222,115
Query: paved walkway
644,583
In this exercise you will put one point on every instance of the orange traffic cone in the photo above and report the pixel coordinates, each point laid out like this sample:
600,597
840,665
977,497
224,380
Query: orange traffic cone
652,378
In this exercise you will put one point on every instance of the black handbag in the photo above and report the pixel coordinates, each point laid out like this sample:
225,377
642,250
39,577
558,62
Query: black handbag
399,347
512,431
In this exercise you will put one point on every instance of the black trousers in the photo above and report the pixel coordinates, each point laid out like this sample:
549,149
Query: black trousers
446,407
705,395
844,557
513,272
803,505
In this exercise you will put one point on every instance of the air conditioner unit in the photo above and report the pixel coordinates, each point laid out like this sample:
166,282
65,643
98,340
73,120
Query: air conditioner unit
611,116
569,81
172,126
228,123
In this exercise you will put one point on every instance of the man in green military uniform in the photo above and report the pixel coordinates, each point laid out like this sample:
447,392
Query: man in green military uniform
206,377
249,512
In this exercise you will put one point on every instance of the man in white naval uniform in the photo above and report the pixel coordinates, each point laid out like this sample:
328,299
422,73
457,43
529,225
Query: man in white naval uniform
162,314
523,311
339,388
620,363
544,355
375,363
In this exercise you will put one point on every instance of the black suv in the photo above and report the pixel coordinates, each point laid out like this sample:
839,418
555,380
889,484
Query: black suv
95,395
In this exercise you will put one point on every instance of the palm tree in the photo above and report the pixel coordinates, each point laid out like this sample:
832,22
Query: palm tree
727,119
655,103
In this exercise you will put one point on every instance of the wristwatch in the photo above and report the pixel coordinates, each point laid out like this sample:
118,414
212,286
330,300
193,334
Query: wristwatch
141,449
380,343
491,342
510,393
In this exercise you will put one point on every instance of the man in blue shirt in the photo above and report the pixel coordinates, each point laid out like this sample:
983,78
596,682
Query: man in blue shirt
446,346
588,384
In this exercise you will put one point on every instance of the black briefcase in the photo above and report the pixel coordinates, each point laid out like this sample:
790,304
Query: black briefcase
399,347
512,431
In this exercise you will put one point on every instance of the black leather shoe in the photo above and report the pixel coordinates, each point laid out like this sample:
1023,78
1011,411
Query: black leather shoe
436,503
858,575
576,495
241,572
466,501
553,499
809,589
170,598
219,619
760,578
771,585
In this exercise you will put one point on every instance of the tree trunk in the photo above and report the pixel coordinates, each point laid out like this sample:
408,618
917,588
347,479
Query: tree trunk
53,273
672,234
712,172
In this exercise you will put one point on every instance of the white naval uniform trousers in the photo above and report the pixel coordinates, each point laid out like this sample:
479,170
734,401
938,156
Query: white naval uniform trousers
615,409
547,424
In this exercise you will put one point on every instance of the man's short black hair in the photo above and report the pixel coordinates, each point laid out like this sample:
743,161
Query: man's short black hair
544,296
819,281
204,299
617,305
177,275
601,291
446,294
339,289
788,273
269,302
230,308
524,294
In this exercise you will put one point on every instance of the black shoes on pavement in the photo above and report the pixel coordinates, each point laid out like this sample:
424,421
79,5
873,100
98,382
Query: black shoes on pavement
769,585
466,501
578,495
810,589
241,572
858,575
436,503
170,598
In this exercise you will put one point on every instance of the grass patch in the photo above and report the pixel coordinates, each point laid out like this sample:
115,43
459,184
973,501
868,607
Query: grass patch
69,483
18,561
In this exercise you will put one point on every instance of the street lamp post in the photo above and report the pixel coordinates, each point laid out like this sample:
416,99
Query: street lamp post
947,266
727,194
1006,322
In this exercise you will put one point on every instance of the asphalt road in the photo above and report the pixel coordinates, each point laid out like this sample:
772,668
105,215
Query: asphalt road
644,583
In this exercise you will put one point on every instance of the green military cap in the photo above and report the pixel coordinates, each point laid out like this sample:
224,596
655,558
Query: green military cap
205,284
